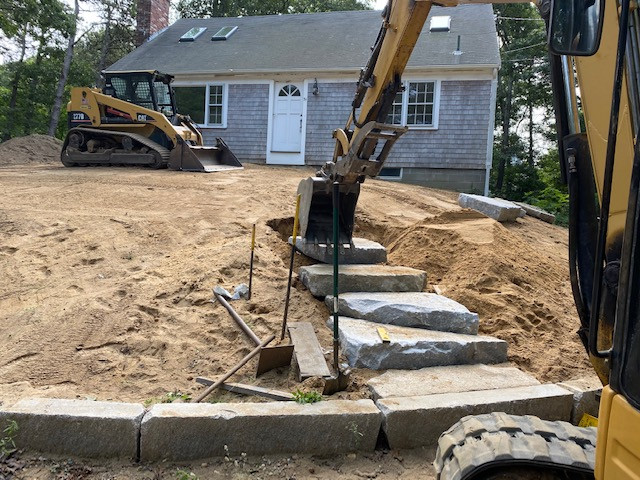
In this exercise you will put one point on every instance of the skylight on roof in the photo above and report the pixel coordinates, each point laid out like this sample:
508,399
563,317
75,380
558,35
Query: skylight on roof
440,24
192,34
224,33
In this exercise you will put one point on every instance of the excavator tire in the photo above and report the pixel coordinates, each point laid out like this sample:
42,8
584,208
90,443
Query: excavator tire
96,147
499,446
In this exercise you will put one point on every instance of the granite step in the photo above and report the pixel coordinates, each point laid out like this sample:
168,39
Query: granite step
448,379
408,309
411,422
362,278
413,348
362,251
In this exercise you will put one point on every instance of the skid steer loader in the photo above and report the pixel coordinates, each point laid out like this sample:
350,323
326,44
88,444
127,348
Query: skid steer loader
133,120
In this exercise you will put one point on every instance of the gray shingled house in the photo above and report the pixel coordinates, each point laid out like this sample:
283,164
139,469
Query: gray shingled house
275,87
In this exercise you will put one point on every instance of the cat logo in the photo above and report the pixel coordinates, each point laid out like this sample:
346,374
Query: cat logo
143,117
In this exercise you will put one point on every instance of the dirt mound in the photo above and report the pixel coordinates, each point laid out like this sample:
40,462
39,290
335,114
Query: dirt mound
519,286
32,149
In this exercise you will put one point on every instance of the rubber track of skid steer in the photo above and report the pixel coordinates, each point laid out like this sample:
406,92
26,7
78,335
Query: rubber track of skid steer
478,443
164,153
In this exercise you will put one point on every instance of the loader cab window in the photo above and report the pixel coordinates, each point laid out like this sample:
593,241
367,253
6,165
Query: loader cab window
163,98
142,92
133,88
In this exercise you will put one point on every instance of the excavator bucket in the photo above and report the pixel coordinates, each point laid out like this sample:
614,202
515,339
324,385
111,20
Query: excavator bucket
316,210
203,159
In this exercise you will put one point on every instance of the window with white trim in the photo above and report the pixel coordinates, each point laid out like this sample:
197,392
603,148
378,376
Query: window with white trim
416,106
205,104
215,106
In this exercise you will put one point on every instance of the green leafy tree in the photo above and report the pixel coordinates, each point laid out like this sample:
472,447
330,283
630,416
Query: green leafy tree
233,8
32,94
522,171
33,30
523,87
54,119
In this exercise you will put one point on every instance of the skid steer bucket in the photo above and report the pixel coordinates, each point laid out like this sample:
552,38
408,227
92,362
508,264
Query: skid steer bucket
316,210
203,159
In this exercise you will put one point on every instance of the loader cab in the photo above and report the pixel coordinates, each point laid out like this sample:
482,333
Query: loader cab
150,90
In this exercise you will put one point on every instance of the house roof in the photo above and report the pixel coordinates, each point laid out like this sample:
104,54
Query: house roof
331,41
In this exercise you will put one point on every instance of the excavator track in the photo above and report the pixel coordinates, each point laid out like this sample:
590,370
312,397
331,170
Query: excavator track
148,152
502,446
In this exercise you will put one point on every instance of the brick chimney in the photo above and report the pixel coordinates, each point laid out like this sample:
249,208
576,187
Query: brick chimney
153,16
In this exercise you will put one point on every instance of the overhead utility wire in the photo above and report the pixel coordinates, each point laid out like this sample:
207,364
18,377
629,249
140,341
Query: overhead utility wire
520,19
524,48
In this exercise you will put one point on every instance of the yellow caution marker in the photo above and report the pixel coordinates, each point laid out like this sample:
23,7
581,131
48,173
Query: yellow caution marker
588,421
383,334
296,220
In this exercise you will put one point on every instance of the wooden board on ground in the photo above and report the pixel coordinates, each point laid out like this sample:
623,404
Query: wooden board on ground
250,390
306,348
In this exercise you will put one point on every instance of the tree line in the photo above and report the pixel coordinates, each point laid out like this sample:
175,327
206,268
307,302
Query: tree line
47,47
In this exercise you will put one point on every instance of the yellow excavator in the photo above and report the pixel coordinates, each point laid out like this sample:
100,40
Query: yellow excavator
594,50
133,120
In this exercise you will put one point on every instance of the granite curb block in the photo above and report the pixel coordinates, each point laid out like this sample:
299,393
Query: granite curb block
183,432
362,278
408,309
413,348
449,379
81,428
411,422
363,252
496,208
537,212
586,397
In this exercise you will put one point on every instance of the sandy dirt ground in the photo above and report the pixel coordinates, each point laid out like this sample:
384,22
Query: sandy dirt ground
107,278
108,275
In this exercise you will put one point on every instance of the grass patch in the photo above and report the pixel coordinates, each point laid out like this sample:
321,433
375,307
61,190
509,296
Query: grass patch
307,397
185,475
169,397
7,442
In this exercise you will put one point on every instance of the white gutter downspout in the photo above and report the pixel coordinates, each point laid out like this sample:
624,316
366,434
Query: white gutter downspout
492,121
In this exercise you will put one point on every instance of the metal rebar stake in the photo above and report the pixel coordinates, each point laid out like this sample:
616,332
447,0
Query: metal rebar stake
336,239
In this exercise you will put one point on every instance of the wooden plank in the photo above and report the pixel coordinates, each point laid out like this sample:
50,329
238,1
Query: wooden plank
250,390
306,348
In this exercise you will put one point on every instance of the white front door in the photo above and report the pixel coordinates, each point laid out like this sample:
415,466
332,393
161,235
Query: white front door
287,122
